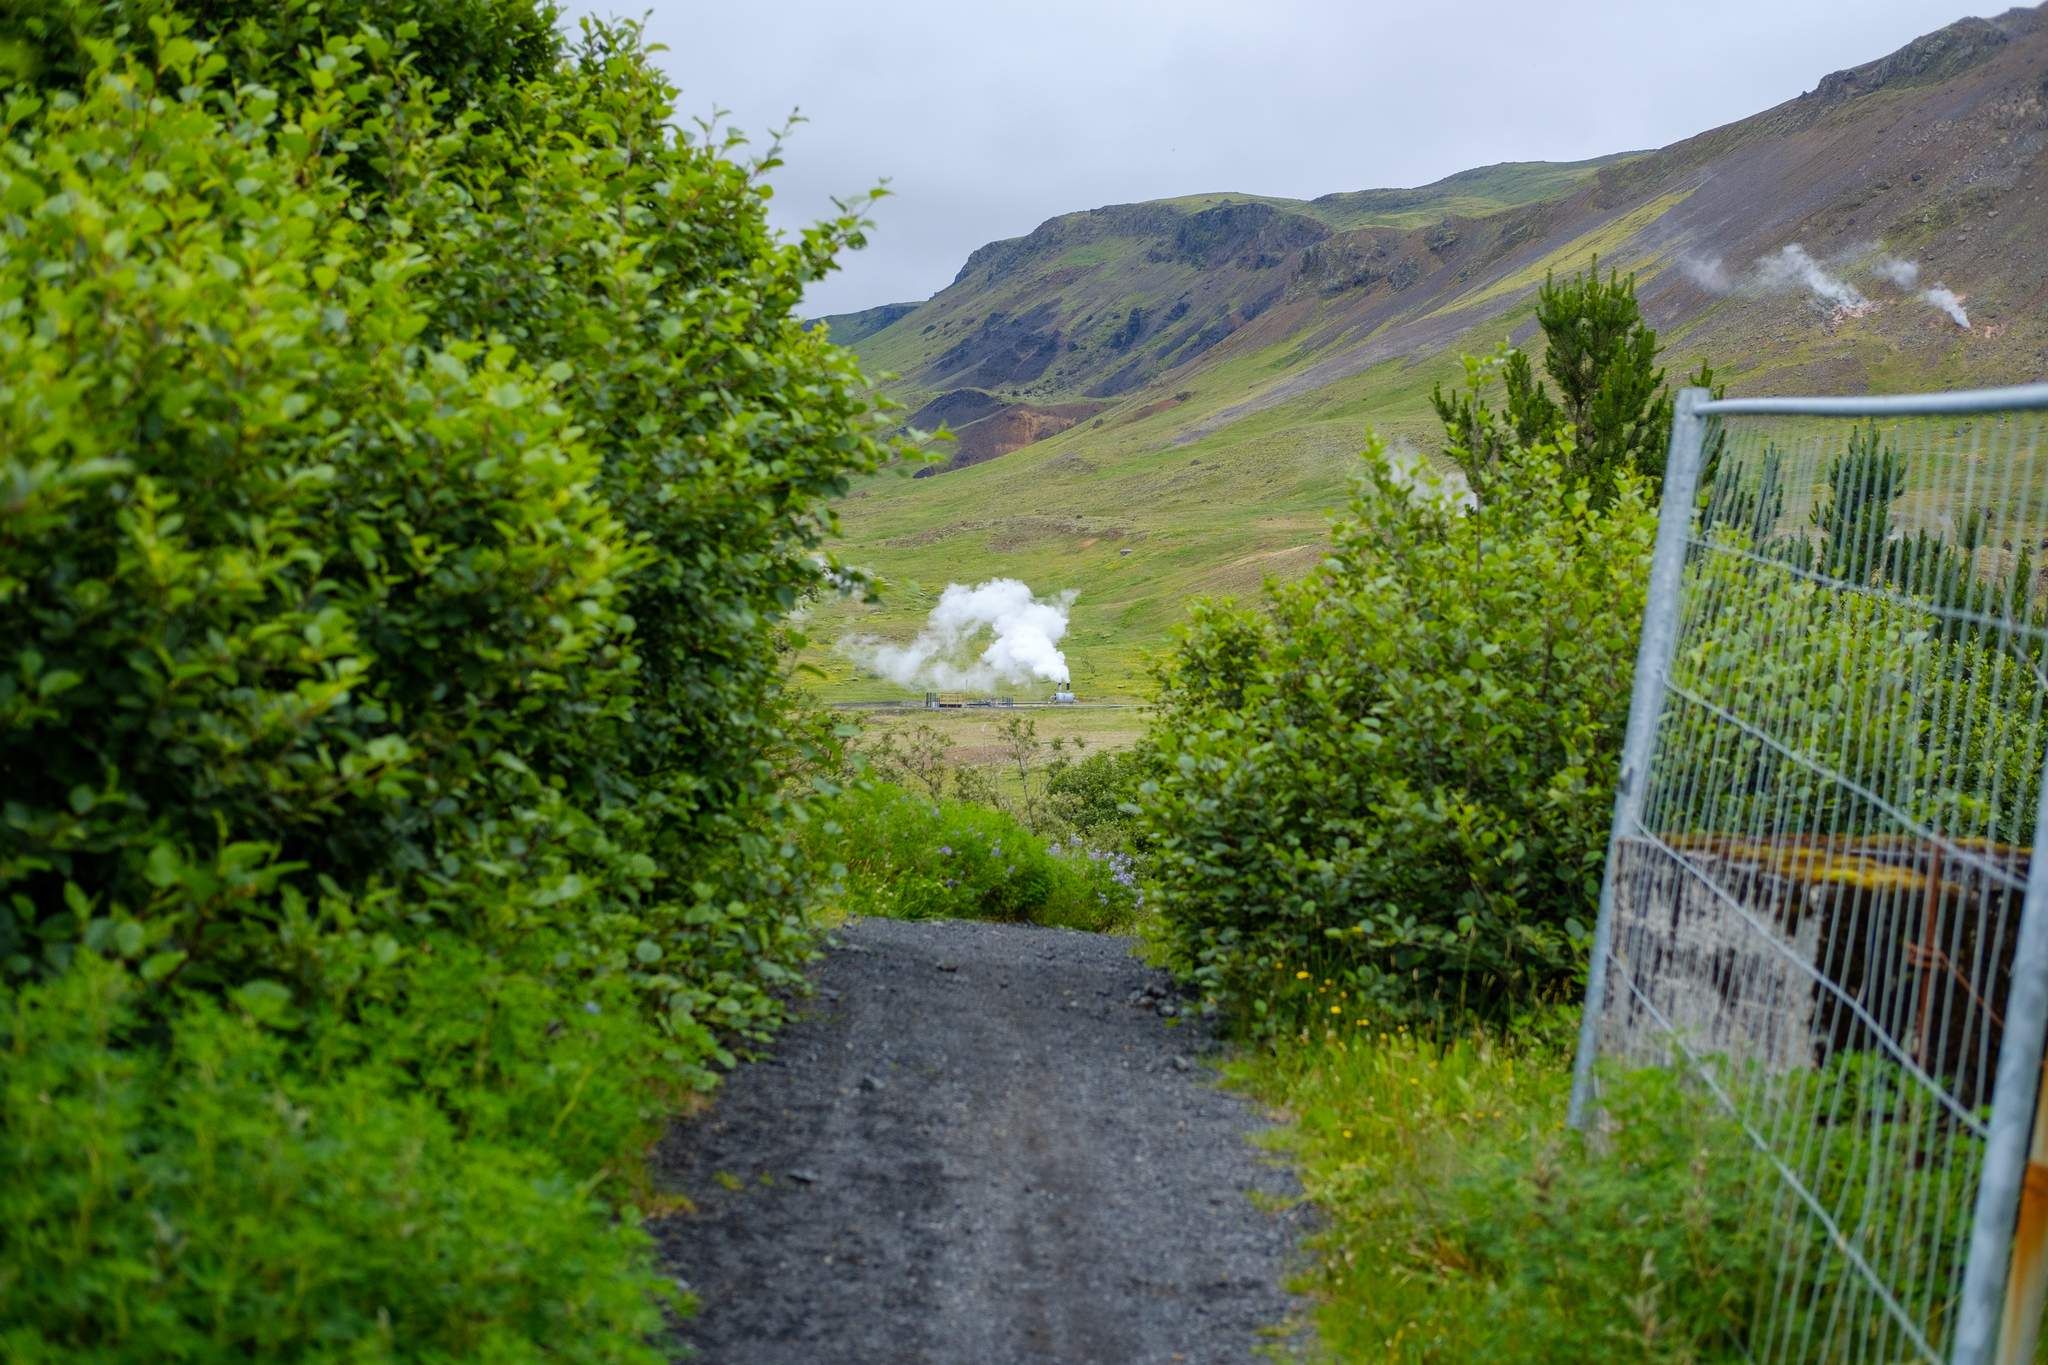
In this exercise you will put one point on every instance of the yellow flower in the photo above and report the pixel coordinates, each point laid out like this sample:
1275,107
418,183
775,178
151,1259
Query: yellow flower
1301,976
1336,1009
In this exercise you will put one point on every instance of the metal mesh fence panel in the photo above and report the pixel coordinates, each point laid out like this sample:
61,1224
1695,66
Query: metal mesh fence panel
1821,902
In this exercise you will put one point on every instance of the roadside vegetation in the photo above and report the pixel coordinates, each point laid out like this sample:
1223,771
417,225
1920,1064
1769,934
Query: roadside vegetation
408,455
1030,833
1376,806
909,855
1461,1219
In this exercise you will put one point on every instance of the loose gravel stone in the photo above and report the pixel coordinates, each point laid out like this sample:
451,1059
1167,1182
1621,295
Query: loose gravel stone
1038,1175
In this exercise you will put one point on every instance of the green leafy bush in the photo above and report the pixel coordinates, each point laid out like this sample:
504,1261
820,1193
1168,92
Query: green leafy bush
908,856
408,450
217,1198
1398,776
1094,796
1875,688
473,50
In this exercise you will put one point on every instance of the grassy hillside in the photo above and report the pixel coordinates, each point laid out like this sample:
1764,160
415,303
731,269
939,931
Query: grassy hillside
1156,401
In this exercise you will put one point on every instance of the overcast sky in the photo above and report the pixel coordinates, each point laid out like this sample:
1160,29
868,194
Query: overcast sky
988,117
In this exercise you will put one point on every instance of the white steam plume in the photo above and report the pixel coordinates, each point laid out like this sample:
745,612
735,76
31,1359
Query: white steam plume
1424,481
1707,272
1025,647
1944,298
1906,274
1792,267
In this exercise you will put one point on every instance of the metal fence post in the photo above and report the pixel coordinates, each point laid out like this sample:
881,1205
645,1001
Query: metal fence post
2012,1119
1646,706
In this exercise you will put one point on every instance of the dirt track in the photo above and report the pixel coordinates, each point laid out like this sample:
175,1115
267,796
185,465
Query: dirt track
975,1147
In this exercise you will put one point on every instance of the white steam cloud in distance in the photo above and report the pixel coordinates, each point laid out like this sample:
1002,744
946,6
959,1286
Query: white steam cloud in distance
1424,481
1792,267
1024,632
1944,298
1906,274
1707,272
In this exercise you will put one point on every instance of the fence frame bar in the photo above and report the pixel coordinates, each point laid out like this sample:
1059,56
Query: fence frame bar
1646,707
2017,397
1981,1303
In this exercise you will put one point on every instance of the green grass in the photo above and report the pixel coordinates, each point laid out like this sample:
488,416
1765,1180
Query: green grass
906,856
1609,243
1460,1220
1120,512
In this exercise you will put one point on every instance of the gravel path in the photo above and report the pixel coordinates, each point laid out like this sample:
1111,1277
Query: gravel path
981,1143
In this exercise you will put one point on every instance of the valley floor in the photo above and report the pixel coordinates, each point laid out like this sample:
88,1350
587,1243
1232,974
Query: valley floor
980,1142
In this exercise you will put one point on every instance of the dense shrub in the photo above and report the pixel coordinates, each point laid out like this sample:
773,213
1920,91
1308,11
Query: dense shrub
396,510
909,856
1944,721
1095,796
1938,710
473,50
219,1199
1398,776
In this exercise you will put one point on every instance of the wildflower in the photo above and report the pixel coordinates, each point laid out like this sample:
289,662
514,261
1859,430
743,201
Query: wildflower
1336,1009
1301,976
945,850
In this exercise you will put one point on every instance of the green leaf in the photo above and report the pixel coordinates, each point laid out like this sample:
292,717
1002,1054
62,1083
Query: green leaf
56,682
157,966
164,868
264,1001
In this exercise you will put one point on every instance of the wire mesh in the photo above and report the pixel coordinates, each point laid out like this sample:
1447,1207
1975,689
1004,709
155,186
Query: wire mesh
1821,857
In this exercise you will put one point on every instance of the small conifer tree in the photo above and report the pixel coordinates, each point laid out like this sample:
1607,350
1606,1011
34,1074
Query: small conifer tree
1610,394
